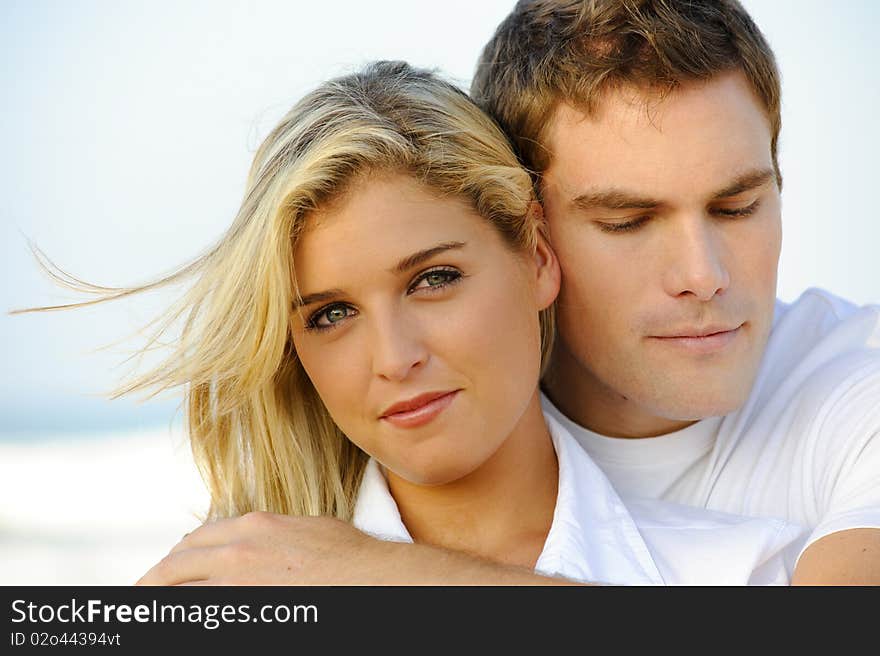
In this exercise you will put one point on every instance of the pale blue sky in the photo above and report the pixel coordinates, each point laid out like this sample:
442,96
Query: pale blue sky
128,127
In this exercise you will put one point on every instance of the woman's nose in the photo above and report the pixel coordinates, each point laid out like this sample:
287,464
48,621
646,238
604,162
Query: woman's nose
398,347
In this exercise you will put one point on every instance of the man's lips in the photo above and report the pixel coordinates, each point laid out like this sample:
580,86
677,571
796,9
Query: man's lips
707,339
418,410
703,331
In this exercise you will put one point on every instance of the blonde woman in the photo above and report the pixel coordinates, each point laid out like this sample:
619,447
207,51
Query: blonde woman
365,345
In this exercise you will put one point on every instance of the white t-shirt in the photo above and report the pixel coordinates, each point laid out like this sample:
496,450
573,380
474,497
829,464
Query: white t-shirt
805,447
594,537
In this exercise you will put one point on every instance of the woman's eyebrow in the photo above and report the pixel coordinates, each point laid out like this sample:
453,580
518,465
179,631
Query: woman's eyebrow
415,259
403,266
317,297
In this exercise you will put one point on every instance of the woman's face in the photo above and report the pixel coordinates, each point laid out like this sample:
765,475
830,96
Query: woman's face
419,326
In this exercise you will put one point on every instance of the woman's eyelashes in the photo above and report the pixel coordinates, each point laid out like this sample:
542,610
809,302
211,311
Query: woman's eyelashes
638,222
434,279
329,316
427,282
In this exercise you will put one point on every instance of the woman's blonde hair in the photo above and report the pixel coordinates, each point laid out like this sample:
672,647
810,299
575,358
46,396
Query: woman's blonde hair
260,434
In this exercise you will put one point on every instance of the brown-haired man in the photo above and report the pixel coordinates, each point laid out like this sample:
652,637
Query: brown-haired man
652,128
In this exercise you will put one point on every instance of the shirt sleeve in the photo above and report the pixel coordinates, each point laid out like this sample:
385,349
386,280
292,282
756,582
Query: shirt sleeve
846,456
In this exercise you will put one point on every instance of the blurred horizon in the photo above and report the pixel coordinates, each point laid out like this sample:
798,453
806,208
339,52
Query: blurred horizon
129,129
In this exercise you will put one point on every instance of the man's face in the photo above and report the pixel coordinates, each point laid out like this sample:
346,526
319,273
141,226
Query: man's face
665,214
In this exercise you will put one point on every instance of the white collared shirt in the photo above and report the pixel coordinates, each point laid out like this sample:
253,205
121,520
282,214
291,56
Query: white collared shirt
804,447
595,538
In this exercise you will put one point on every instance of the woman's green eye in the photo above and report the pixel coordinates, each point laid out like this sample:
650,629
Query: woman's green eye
336,314
329,316
437,278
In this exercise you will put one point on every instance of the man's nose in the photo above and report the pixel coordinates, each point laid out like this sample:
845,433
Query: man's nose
398,346
696,266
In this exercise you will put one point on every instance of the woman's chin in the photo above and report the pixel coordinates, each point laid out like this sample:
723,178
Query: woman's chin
436,474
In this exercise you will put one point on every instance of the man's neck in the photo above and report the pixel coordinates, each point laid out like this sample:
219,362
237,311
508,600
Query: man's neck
584,399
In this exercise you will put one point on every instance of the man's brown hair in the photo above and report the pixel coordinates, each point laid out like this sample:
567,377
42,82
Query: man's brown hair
551,51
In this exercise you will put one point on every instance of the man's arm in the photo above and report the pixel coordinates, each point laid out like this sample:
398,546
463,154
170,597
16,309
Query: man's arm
850,557
268,549
416,564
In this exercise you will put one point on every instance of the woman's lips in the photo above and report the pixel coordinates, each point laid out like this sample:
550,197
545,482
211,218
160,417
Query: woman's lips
418,413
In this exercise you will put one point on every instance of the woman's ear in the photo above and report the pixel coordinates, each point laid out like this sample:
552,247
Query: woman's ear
547,266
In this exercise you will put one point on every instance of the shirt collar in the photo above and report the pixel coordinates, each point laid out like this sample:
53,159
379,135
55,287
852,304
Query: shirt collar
592,537
376,511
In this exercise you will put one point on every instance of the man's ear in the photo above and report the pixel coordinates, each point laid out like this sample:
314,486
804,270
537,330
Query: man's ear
546,263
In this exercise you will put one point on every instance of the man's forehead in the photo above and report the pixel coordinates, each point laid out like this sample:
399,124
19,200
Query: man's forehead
696,140
632,97
645,105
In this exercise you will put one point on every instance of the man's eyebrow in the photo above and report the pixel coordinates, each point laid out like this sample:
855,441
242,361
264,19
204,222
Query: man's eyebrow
403,266
745,182
415,259
614,199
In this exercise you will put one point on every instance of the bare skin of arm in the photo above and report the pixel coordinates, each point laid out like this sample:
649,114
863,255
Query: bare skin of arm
268,549
849,557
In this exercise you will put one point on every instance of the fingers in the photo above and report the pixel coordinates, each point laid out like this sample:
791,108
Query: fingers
187,565
209,534
208,549
225,531
200,583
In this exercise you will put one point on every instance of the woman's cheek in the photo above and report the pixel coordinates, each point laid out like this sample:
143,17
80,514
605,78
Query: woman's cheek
500,329
335,371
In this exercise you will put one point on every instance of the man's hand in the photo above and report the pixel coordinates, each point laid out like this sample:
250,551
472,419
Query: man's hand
262,548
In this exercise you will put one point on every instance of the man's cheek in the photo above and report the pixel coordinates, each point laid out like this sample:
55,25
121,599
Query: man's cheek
763,268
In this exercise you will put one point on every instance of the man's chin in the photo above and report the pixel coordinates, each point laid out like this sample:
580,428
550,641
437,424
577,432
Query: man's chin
695,393
696,409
